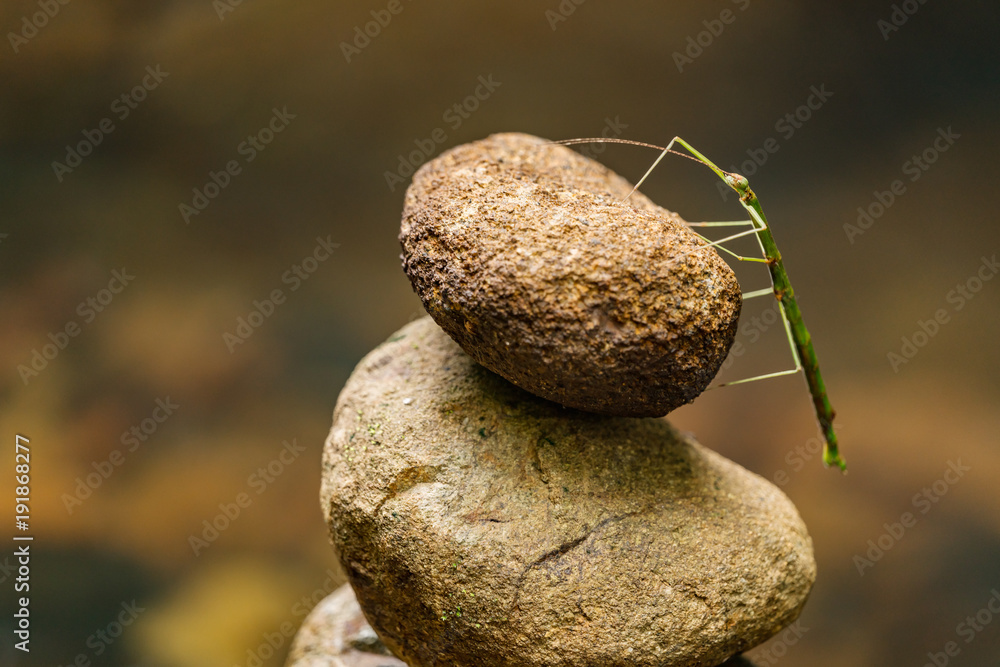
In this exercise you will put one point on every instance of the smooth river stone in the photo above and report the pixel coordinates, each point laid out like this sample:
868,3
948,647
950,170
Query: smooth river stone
480,525
337,634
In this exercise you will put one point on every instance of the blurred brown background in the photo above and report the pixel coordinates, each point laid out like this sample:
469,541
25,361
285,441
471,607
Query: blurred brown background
221,69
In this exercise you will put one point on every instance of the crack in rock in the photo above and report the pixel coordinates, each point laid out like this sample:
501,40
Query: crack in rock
585,614
565,548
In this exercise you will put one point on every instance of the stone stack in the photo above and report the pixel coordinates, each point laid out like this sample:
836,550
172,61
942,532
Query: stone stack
497,483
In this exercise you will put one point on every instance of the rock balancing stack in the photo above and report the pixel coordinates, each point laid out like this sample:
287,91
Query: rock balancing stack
498,483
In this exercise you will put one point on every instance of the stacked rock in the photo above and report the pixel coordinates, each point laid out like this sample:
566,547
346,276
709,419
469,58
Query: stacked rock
336,633
495,485
527,255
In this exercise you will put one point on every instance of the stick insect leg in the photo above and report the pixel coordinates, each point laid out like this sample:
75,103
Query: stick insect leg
767,376
650,170
755,230
760,226
730,252
734,223
760,292
791,344
791,338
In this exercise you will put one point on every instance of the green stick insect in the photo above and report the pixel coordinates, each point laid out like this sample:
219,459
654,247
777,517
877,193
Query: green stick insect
799,339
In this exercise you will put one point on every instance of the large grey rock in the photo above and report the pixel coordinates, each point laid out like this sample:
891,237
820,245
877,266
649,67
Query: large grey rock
480,525
525,253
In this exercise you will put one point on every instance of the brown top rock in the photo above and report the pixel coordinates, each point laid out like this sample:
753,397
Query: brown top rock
525,253
483,526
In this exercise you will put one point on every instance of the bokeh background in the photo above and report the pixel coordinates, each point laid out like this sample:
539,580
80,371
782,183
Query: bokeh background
559,70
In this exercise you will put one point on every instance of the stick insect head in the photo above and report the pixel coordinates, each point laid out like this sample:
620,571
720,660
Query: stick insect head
738,183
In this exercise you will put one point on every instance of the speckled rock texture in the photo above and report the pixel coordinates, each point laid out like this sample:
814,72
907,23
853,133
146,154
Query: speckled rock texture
524,252
336,634
483,526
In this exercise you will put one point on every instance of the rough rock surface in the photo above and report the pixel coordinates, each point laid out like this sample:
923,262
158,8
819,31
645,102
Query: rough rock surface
337,634
481,525
525,253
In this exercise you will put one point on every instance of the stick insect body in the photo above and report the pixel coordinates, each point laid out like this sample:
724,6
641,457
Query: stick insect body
799,339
